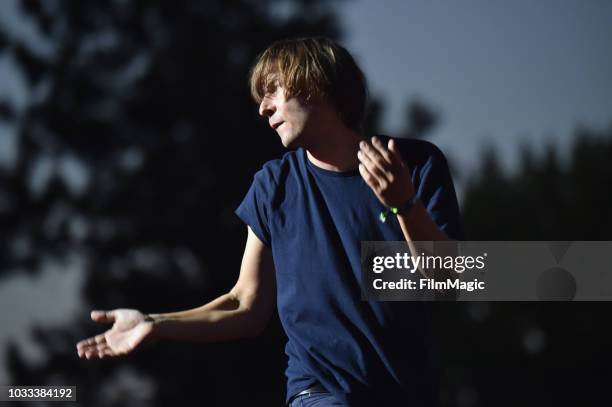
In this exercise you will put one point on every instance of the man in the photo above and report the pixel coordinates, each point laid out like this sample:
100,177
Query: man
306,215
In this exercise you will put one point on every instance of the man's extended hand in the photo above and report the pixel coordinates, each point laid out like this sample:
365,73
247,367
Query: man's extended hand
130,329
385,172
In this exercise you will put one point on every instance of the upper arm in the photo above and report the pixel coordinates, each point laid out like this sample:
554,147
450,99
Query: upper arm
437,192
256,287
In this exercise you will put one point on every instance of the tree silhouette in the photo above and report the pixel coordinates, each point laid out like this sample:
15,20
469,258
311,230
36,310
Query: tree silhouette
544,201
139,141
420,119
552,353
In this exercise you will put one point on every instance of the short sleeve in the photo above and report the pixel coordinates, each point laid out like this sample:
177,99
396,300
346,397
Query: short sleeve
254,207
437,192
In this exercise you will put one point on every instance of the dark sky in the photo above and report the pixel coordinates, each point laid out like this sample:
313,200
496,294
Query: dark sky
499,72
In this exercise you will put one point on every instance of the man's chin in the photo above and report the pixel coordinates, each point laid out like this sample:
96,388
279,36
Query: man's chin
290,142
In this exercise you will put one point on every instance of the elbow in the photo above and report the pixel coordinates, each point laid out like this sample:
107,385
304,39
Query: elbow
255,312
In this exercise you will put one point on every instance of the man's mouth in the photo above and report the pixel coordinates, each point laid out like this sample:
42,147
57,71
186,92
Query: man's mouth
276,125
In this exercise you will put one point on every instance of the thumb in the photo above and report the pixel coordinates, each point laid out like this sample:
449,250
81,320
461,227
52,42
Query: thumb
103,316
397,157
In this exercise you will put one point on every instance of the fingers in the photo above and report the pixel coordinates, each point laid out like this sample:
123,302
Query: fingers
94,348
93,341
370,166
103,316
395,156
370,179
382,150
97,352
368,153
105,351
376,161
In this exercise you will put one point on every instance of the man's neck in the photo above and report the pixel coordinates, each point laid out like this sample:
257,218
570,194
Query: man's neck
337,151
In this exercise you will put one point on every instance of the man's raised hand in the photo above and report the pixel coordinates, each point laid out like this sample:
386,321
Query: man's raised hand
130,329
385,172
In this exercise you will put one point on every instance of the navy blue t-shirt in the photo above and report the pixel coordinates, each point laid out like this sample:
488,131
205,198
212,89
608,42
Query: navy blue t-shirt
364,352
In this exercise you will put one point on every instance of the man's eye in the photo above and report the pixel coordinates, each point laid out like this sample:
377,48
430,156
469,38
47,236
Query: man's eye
272,86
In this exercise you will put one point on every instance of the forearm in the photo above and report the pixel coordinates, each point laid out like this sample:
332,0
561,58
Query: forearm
224,318
418,226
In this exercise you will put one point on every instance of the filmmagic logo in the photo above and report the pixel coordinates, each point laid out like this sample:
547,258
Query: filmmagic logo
429,284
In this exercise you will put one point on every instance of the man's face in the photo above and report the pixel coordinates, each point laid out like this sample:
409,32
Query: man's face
292,119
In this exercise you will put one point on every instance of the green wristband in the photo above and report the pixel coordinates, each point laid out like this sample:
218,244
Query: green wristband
405,207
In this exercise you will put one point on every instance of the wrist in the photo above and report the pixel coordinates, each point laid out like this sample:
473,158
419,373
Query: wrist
402,209
152,317
405,206
154,320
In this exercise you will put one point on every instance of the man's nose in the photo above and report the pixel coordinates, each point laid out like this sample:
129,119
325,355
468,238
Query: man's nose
266,108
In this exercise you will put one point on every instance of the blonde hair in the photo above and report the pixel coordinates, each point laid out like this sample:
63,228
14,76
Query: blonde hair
310,69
